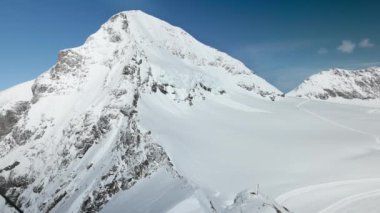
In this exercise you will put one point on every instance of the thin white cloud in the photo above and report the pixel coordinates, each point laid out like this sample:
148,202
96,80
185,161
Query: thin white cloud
366,43
322,51
366,64
347,46
275,47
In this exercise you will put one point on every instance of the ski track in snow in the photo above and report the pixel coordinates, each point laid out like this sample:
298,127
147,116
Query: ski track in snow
345,202
299,106
341,203
374,111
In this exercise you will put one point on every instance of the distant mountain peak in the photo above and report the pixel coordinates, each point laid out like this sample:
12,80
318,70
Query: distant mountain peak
341,83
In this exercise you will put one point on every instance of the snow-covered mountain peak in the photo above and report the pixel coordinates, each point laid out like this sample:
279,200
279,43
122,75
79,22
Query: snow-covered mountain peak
340,83
150,32
77,140
162,54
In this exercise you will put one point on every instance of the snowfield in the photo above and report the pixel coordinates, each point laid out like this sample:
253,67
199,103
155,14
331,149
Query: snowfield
145,118
289,149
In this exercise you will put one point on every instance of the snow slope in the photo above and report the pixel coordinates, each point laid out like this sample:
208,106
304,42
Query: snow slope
339,83
21,92
144,118
283,146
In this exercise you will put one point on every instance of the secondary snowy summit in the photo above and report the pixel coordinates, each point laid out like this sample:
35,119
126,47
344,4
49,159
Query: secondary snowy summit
347,84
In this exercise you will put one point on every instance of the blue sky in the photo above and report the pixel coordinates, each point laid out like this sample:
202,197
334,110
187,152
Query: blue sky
282,41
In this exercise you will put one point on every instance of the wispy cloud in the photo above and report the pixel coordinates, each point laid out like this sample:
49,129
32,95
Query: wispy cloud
366,43
365,64
322,51
347,46
276,47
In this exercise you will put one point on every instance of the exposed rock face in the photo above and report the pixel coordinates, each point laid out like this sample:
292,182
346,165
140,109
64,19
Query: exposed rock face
348,84
70,67
9,117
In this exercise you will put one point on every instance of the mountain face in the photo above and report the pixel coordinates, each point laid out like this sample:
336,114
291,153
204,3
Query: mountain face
338,83
72,140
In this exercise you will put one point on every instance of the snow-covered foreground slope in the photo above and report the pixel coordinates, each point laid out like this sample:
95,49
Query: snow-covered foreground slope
144,118
361,84
225,146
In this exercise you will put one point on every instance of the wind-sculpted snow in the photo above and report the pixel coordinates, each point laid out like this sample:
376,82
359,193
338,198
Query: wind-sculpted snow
338,83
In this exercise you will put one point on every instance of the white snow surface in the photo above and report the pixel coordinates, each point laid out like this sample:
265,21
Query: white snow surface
144,118
21,92
299,143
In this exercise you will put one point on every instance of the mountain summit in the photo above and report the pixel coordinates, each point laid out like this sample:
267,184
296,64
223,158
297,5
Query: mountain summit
156,54
75,141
